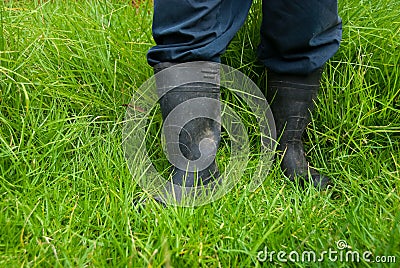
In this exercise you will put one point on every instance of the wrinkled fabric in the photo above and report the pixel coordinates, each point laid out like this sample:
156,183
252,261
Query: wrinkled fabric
297,36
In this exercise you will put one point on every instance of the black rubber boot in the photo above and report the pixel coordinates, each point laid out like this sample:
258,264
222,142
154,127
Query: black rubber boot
291,98
199,137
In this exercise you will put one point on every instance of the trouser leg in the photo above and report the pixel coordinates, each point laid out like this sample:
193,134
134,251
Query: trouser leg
299,36
194,30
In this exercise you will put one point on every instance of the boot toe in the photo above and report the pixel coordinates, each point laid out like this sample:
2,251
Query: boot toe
321,182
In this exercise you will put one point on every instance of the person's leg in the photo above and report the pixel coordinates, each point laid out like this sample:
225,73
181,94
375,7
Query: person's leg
297,38
193,31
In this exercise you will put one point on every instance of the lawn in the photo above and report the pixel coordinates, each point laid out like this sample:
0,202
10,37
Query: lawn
68,69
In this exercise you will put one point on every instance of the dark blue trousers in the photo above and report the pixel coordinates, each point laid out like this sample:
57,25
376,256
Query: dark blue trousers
297,36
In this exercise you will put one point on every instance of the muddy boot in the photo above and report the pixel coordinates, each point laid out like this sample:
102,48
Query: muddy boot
200,137
291,98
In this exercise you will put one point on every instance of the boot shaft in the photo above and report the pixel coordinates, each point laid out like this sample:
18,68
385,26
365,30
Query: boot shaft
190,91
291,98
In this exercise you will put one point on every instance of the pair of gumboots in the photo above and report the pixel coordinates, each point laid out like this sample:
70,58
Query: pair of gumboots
291,99
296,39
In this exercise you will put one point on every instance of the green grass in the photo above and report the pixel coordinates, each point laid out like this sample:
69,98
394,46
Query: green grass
67,69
